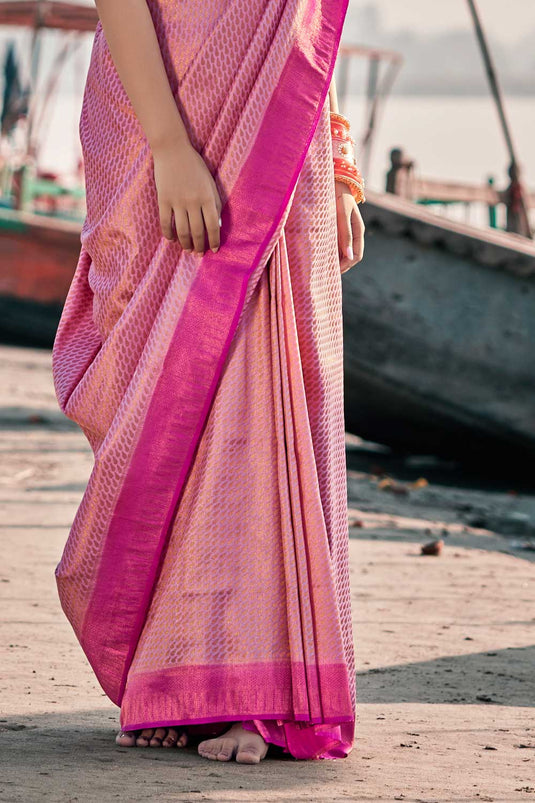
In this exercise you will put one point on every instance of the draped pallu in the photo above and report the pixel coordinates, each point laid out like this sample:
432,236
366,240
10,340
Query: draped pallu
206,571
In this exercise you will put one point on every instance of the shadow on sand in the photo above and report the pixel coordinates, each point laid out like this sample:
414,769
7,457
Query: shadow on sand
497,677
73,756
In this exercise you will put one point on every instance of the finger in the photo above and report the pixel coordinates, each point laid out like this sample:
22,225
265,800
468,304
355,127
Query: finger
211,221
165,221
357,226
218,202
196,224
345,237
182,229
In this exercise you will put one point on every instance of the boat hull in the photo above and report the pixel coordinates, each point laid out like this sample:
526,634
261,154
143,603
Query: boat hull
38,259
439,335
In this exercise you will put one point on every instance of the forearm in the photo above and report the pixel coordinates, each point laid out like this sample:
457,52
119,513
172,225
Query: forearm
333,97
134,47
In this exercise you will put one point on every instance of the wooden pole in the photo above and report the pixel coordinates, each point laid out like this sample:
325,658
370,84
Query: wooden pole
496,92
371,96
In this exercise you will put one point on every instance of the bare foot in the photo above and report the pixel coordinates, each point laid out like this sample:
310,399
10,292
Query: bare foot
247,747
152,737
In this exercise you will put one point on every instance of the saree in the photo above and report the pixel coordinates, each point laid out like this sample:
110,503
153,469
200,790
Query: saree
206,572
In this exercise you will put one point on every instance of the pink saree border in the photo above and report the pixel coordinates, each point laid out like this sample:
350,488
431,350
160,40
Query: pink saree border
196,694
169,722
114,618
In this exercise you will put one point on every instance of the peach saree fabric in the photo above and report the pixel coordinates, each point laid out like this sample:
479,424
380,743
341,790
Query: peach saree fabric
206,571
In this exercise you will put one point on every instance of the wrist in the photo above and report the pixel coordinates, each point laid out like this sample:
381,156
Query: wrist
171,137
342,187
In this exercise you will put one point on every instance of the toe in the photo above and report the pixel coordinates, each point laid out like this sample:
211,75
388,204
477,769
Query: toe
171,738
175,738
144,737
126,738
157,737
182,739
251,747
249,754
227,748
208,749
217,749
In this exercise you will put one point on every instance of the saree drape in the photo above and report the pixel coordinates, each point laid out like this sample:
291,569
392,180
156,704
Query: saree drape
206,571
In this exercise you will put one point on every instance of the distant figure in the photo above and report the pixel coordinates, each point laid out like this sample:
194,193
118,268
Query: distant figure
517,219
399,177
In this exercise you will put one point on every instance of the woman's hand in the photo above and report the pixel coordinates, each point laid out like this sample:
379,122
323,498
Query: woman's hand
187,189
350,227
185,186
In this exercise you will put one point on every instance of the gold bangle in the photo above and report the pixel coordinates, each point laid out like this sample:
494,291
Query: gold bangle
355,187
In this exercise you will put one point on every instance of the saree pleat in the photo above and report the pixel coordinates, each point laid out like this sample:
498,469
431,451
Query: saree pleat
206,572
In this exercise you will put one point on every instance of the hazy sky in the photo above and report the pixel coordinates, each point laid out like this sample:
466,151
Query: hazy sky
504,19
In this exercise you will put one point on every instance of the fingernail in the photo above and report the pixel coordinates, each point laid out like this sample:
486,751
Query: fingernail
349,252
188,250
220,222
215,250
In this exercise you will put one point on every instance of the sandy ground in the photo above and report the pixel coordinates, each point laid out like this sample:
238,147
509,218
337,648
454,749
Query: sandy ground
445,644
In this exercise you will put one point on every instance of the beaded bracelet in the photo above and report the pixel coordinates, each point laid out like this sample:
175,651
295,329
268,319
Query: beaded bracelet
345,165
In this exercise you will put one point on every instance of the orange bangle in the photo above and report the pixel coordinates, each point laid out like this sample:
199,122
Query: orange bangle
357,189
336,117
345,166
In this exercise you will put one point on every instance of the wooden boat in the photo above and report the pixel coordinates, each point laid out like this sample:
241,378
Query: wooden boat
39,252
57,14
39,255
439,324
439,331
